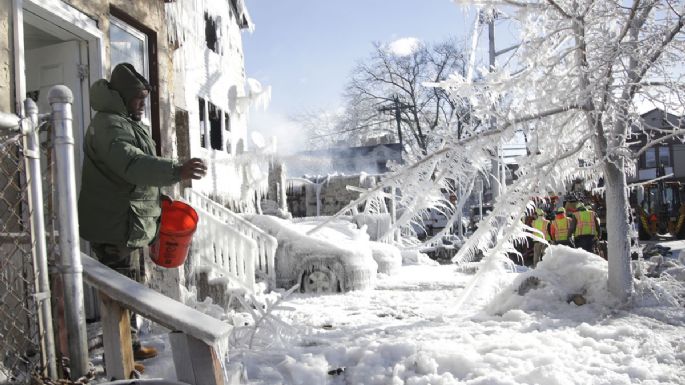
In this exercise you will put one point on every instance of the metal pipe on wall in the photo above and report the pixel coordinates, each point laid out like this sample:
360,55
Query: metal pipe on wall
39,248
69,265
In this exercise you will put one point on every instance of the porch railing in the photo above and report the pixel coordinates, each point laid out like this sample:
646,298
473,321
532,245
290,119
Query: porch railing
195,337
218,244
266,244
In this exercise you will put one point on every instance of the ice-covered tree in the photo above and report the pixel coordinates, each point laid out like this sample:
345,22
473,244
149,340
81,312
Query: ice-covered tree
573,86
392,78
576,81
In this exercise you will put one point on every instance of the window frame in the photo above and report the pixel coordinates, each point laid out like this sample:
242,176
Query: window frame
152,70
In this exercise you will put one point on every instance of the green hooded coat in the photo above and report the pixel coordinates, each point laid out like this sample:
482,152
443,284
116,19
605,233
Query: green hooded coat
119,202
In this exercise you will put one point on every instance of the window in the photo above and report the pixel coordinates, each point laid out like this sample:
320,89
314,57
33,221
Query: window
227,135
129,45
215,127
664,156
657,156
203,128
211,125
650,158
212,33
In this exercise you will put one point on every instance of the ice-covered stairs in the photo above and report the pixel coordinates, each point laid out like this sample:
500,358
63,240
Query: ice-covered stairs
229,255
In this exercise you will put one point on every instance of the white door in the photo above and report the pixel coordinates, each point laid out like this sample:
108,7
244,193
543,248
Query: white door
60,64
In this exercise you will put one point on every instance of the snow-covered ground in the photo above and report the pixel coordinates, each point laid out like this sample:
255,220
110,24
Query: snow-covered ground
415,328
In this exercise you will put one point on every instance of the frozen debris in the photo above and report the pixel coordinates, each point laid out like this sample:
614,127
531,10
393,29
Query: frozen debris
467,267
528,284
377,225
415,257
387,256
577,299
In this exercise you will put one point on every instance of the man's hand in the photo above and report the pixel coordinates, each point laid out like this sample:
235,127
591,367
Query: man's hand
194,168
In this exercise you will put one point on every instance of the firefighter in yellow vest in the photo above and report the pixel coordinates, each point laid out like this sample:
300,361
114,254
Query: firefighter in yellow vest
541,224
587,228
561,228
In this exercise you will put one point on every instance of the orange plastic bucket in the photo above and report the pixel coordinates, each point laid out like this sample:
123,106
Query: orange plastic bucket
179,221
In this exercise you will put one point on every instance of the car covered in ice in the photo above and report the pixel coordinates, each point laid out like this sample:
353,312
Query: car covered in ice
336,258
359,231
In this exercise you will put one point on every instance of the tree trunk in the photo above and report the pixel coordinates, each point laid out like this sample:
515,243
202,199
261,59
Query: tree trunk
620,281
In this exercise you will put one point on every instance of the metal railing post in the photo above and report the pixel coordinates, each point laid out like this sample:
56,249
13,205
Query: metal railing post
60,98
39,249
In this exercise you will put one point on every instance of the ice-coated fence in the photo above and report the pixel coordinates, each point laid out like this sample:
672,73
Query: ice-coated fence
27,345
265,243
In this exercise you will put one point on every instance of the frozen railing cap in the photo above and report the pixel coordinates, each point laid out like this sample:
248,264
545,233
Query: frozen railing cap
60,94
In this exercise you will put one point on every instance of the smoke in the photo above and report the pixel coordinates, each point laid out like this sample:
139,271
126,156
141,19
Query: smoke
290,136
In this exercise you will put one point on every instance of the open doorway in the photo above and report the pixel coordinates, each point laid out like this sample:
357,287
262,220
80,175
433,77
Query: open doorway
60,48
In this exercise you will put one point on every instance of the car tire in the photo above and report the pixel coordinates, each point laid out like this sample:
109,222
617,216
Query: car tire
319,280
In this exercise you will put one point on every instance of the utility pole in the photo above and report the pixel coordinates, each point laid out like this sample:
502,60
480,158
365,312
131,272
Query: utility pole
495,181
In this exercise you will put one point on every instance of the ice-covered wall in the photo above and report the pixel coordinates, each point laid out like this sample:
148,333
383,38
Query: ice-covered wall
218,77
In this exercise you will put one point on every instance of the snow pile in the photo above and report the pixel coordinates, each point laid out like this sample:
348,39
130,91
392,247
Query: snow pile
562,274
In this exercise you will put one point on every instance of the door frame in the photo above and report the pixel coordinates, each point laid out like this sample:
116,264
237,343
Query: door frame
57,14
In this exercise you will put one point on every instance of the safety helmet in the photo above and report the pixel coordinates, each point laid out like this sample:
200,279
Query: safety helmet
580,205
561,210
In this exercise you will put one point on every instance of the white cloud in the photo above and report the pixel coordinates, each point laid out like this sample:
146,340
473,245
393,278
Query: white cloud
404,46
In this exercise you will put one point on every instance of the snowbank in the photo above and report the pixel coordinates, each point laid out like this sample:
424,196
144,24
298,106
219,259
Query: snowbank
562,275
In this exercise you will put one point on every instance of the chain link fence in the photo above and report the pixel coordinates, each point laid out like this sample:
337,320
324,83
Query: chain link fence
19,332
21,335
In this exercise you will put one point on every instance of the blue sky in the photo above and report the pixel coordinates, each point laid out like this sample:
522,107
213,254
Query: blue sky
306,49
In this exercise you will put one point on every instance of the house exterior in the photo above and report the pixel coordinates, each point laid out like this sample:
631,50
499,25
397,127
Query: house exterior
191,51
213,95
664,158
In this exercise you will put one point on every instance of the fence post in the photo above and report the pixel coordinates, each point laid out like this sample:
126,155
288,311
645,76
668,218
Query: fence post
39,248
60,98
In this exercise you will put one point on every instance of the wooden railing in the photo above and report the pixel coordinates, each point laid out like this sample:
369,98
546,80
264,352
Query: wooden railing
266,244
221,246
194,336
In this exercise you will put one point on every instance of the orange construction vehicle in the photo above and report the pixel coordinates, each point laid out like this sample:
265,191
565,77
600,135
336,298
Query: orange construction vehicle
661,210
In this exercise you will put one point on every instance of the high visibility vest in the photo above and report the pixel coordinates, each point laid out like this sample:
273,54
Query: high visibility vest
560,228
541,225
585,223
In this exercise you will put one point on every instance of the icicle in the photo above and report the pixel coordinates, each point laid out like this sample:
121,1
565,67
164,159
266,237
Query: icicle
475,34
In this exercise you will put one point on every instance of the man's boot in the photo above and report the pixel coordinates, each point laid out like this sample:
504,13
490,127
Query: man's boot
144,352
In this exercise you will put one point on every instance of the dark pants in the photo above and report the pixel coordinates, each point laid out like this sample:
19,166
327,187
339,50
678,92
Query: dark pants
126,261
538,250
568,243
586,242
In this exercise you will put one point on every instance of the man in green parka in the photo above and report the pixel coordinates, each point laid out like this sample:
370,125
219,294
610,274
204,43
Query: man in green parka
119,203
